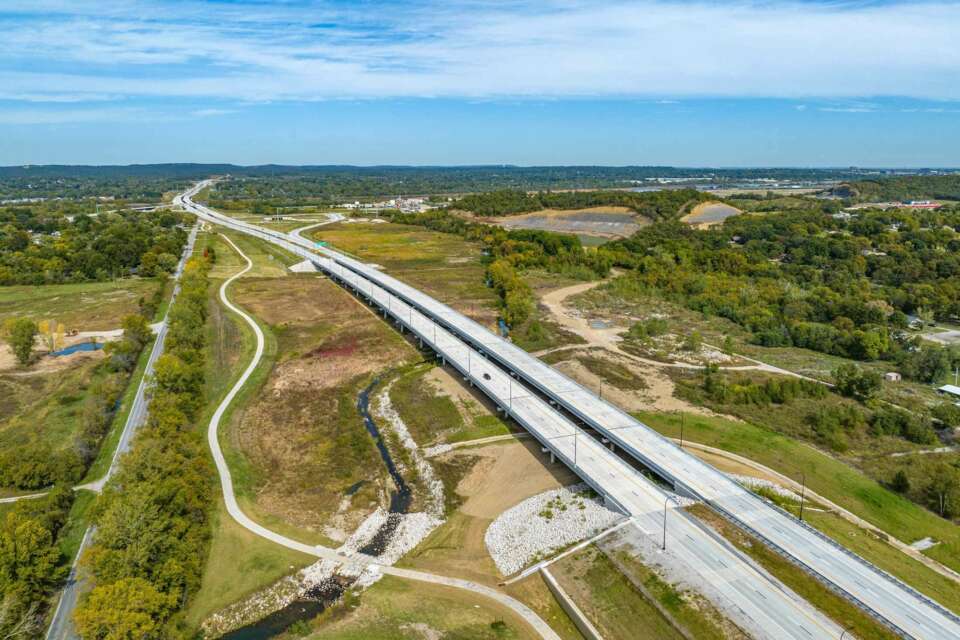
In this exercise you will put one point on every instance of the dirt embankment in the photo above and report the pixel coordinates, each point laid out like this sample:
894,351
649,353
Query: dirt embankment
603,222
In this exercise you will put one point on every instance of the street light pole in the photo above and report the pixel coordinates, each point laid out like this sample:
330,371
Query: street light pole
665,503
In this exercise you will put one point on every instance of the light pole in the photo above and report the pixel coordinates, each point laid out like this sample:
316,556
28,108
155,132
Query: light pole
803,492
665,503
845,629
683,418
575,439
601,390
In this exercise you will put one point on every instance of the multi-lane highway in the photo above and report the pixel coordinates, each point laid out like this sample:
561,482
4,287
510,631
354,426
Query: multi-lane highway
897,605
757,602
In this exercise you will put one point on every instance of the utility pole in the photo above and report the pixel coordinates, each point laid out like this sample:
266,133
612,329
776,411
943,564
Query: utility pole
665,503
803,491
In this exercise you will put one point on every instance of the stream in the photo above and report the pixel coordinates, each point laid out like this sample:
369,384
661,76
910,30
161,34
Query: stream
319,598
401,497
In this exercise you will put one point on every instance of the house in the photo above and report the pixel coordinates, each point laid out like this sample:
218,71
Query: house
892,376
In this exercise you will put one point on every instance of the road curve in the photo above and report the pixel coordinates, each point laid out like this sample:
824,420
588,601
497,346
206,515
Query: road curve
233,508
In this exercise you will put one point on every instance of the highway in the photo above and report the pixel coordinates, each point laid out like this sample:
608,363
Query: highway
903,609
899,606
755,600
61,626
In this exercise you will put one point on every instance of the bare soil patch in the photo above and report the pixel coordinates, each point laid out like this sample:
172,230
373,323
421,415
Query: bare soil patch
708,214
504,474
604,222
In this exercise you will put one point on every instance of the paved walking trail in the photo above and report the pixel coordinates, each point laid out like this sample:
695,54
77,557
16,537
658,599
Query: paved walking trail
319,551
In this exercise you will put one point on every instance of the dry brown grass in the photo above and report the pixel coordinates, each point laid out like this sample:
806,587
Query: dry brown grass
302,433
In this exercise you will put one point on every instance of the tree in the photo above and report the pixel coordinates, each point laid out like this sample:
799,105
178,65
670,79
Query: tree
943,492
900,482
52,333
128,609
136,329
728,345
20,334
854,382
29,558
693,342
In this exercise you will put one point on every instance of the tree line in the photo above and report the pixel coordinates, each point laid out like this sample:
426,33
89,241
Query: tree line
37,247
153,528
655,205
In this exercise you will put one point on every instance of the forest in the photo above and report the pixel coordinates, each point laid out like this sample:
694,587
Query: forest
655,205
812,280
153,517
902,188
40,246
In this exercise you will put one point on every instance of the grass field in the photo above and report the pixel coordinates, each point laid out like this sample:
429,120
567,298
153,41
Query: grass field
395,609
440,264
610,602
240,563
46,408
428,415
827,476
294,439
87,306
618,301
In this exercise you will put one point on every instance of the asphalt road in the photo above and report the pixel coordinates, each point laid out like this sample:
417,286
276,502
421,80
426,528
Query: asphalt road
899,606
61,627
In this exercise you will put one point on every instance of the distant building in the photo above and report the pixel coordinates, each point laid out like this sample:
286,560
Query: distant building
892,376
922,204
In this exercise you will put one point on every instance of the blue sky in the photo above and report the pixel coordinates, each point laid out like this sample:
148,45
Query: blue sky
695,83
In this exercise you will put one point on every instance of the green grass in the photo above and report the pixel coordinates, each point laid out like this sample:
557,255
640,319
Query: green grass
87,306
76,525
239,564
46,408
539,333
442,265
427,414
613,373
483,426
394,609
831,478
608,600
837,608
104,457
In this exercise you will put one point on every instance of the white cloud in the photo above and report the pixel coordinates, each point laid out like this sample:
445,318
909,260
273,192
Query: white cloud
204,113
551,48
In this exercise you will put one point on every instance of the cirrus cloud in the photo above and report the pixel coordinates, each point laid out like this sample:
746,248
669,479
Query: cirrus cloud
302,50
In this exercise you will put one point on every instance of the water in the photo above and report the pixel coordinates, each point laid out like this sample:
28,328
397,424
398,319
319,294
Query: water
310,606
401,498
80,346
326,594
